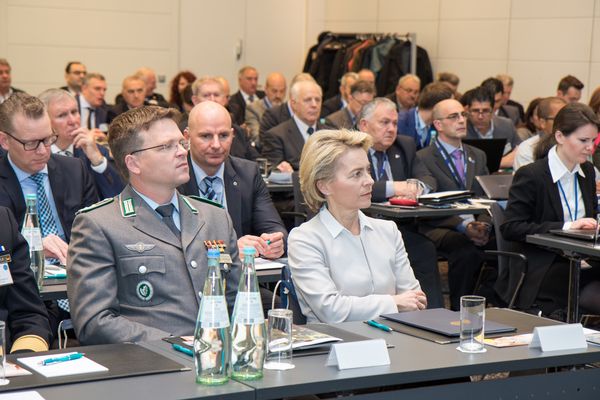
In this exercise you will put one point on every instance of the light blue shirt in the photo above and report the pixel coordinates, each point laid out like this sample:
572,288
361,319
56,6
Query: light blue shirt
218,185
28,186
153,205
303,128
421,127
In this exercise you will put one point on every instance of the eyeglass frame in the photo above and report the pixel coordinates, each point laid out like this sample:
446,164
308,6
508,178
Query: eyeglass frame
483,113
53,138
455,116
166,146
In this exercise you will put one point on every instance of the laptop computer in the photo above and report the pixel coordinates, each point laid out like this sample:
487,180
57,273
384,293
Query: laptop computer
496,187
493,149
581,234
442,321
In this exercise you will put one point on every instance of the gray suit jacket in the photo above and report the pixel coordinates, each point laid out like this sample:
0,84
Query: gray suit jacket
503,128
340,119
131,279
433,160
284,143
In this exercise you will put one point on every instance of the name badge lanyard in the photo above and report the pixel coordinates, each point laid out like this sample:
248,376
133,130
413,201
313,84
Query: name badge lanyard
459,182
562,191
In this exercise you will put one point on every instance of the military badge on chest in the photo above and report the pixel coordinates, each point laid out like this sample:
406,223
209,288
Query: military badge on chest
144,290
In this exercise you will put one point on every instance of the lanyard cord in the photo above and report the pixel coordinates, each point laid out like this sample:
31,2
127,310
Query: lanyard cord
459,182
562,191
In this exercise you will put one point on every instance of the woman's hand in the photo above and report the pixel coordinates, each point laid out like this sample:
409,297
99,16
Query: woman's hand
411,300
583,223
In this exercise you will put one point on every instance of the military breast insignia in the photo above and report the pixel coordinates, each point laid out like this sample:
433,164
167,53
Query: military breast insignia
220,245
140,247
144,290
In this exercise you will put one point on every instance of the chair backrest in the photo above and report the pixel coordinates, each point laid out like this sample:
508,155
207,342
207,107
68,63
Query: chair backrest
287,293
299,204
501,244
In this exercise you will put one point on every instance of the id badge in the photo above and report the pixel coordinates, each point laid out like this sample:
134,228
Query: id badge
5,276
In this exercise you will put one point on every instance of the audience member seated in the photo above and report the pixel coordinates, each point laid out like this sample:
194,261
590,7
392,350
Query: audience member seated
177,86
282,145
454,165
5,80
208,88
569,89
546,113
361,93
137,262
417,121
393,161
531,125
247,93
483,124
275,89
75,71
133,92
90,102
366,74
340,101
452,80
407,92
507,84
555,192
595,101
76,141
27,327
500,109
232,182
347,266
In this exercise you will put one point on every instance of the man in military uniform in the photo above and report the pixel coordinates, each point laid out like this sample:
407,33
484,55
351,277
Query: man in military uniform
137,262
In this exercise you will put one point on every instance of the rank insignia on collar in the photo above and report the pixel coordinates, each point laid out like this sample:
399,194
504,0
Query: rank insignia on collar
127,207
140,247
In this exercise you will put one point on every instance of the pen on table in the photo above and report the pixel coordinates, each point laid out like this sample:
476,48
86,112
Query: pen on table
378,325
182,349
56,360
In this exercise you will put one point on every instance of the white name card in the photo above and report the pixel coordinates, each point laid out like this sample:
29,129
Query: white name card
365,353
558,337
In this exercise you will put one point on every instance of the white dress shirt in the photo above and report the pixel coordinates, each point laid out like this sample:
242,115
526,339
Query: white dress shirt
524,154
561,174
340,276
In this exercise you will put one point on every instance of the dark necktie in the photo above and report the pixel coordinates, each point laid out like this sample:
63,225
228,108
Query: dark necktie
166,212
250,98
47,222
89,119
310,130
381,174
207,189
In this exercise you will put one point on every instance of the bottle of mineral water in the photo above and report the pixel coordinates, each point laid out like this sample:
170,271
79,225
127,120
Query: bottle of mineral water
33,234
248,347
212,337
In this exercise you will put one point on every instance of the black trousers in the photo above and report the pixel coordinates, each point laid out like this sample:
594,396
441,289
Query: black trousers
423,259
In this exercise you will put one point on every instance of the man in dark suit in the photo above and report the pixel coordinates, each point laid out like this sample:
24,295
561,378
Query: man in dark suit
76,141
247,93
92,107
454,166
5,80
208,88
233,182
62,184
417,121
283,144
339,101
393,161
407,92
361,93
483,124
133,92
20,304
75,71
507,88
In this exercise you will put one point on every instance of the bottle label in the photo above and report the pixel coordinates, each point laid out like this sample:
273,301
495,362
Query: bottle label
33,237
213,312
248,309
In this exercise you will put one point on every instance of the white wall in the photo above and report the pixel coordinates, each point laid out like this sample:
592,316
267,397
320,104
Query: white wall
535,41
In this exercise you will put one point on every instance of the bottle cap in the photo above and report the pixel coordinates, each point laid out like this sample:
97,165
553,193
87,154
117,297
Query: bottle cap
213,253
249,251
30,196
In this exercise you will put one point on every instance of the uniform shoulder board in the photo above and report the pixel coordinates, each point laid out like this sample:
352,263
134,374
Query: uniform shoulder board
96,205
203,200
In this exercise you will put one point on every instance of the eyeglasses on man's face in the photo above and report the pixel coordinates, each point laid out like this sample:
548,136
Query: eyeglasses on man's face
455,116
31,145
170,147
485,112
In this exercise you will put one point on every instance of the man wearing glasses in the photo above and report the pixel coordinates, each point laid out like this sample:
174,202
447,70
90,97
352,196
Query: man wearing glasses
62,184
454,166
137,262
483,124
361,93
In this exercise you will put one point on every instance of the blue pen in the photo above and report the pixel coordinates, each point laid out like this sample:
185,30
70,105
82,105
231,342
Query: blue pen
56,360
182,349
378,325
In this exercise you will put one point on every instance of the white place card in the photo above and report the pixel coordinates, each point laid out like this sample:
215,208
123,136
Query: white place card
82,365
558,337
365,353
27,395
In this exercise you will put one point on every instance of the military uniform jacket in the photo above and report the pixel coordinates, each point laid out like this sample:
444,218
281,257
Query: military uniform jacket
131,279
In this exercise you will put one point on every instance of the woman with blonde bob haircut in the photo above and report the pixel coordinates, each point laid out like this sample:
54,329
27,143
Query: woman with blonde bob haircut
346,266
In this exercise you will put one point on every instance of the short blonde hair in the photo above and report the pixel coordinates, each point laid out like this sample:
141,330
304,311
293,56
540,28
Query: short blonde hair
319,159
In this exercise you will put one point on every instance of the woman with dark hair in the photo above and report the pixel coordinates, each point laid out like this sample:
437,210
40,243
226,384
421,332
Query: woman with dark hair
557,191
531,120
178,84
595,101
